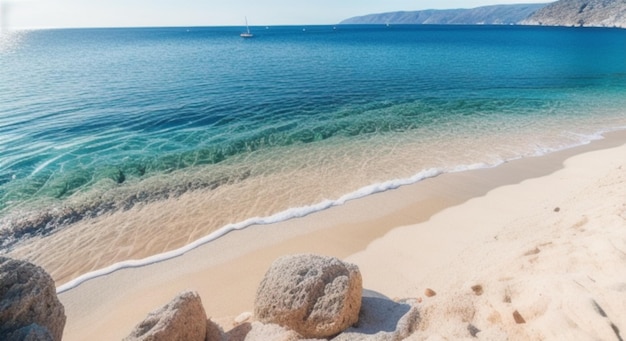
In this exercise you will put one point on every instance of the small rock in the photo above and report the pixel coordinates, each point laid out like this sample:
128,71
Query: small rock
28,298
243,317
316,296
477,289
183,318
557,209
473,330
518,317
429,292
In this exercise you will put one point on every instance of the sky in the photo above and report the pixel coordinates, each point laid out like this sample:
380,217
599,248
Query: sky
18,14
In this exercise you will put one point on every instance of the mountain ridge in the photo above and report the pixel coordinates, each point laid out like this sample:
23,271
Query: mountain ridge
588,13
489,15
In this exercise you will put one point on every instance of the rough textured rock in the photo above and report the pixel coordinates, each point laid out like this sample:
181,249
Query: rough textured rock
315,296
33,332
182,319
28,296
382,319
599,13
214,332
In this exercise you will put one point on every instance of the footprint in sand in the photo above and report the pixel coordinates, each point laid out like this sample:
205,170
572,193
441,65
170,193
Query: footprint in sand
582,222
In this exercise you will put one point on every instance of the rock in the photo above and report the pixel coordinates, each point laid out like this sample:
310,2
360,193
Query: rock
429,292
182,319
316,296
243,317
518,317
477,289
382,319
599,13
473,330
238,333
33,332
28,302
484,15
213,331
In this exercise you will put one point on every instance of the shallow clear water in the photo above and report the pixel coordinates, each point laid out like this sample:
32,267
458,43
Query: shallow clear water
98,120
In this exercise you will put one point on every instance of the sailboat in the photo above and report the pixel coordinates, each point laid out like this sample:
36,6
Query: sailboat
247,34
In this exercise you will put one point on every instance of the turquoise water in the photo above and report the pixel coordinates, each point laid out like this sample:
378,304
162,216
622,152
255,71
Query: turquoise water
94,121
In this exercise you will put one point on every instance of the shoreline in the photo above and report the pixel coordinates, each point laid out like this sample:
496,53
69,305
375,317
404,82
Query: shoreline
296,213
226,271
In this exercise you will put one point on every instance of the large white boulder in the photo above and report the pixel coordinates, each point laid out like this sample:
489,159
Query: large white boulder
314,295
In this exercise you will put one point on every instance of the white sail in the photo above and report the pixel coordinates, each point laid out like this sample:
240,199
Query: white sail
247,34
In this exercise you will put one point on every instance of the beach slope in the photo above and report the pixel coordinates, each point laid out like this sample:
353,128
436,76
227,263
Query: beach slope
533,249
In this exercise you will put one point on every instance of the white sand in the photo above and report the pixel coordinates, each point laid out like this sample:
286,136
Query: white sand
553,249
563,272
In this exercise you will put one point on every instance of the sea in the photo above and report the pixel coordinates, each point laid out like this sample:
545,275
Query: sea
297,119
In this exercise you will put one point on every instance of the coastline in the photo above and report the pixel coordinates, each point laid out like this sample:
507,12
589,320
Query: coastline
226,271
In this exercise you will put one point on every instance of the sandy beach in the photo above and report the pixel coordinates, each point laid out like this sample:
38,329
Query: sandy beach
544,237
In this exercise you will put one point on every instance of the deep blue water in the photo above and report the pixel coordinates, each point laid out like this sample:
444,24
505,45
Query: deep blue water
80,108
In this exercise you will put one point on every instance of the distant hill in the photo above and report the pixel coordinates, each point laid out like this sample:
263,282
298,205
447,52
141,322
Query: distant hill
488,15
602,13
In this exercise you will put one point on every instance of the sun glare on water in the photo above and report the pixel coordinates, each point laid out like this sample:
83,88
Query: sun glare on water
4,15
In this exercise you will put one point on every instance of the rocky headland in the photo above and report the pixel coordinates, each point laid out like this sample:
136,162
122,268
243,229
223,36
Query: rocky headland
586,13
486,15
